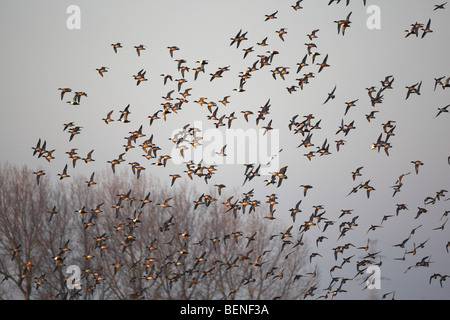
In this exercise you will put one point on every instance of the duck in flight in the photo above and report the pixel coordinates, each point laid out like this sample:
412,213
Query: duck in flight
139,77
88,158
281,33
63,174
91,180
313,35
349,105
39,174
343,24
102,70
439,6
172,49
331,95
324,64
271,16
63,91
108,117
116,46
263,42
443,109
417,164
427,29
414,89
297,6
247,51
306,187
238,38
139,48
302,64
166,77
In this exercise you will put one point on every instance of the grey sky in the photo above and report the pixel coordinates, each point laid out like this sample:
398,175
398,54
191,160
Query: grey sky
40,54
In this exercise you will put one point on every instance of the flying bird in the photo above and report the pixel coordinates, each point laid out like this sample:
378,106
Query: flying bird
101,70
271,16
439,6
331,95
417,164
116,46
323,64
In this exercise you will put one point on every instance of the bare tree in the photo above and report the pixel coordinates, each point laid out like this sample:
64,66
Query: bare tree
140,238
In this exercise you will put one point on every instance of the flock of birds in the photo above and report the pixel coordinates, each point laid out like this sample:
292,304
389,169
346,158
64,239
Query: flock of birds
190,137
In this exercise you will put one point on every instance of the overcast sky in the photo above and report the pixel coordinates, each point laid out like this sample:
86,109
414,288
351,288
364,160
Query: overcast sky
41,54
